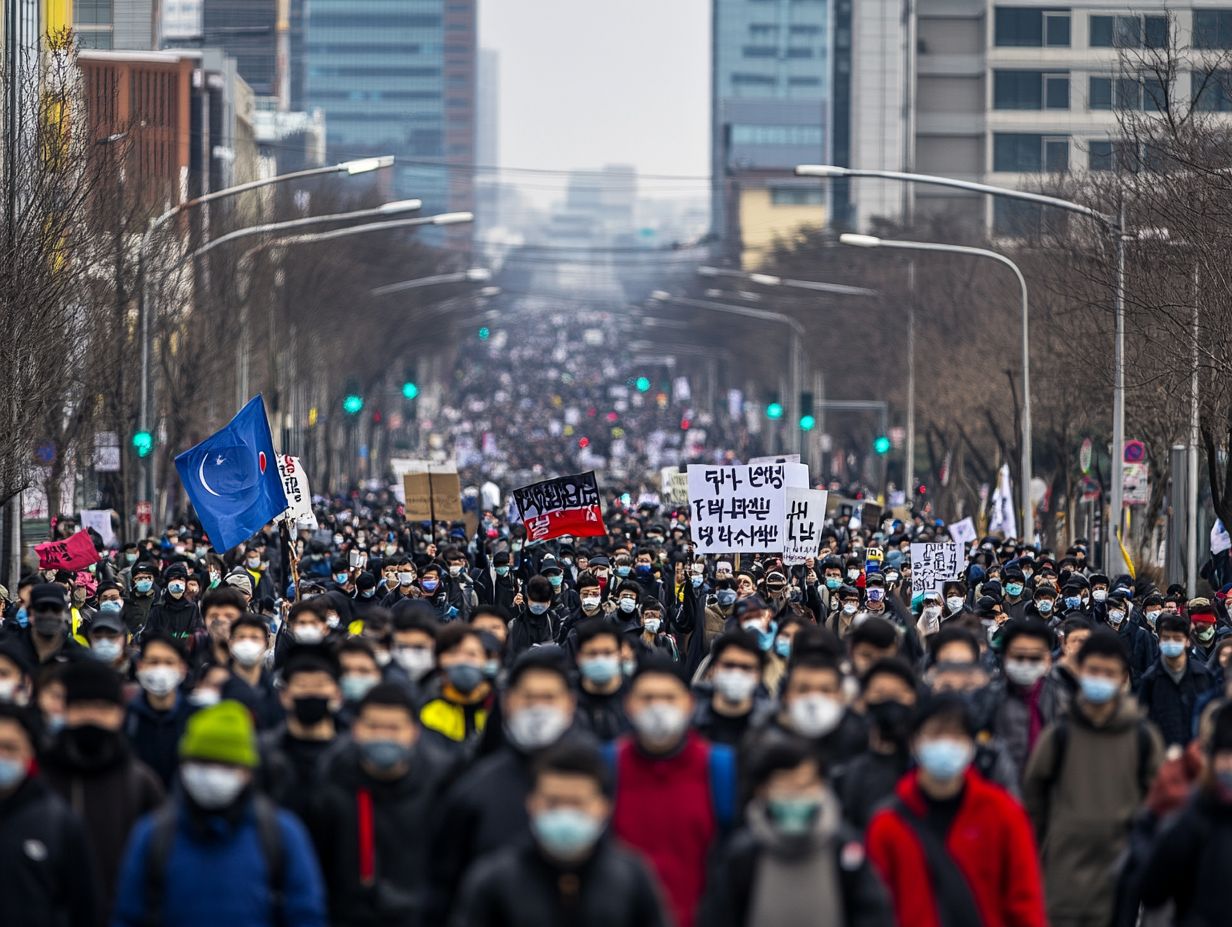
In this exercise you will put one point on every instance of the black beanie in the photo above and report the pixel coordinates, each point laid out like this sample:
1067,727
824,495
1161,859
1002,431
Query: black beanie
91,681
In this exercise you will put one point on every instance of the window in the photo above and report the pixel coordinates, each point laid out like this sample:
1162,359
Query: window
799,53
1212,28
797,196
1099,156
1030,27
1099,93
763,31
1148,94
1030,90
805,29
1212,93
760,51
1027,153
1131,31
754,80
1015,218
776,135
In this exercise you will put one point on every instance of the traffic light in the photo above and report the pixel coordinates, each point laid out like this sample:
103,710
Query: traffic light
807,423
881,444
353,404
410,383
643,384
807,420
485,333
774,411
143,443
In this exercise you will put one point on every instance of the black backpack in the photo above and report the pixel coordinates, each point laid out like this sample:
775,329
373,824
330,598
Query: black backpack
162,837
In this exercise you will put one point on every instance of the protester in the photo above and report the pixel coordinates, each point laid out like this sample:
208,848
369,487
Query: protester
155,719
1171,689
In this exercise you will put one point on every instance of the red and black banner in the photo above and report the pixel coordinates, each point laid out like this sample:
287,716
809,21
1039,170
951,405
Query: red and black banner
564,505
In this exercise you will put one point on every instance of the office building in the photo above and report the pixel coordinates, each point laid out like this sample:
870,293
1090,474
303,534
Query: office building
130,25
770,95
399,77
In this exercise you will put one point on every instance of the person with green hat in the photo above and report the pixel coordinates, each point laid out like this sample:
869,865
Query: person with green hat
218,852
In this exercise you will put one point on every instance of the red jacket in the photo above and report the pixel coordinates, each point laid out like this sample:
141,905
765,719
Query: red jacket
664,809
990,841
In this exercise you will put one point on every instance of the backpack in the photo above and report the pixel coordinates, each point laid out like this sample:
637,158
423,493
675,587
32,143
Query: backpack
722,763
162,837
1060,736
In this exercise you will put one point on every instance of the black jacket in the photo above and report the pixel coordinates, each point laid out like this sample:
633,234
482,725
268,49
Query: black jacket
155,735
603,715
292,770
398,815
729,889
46,868
261,699
1143,651
519,887
108,789
1171,705
526,630
1190,862
181,618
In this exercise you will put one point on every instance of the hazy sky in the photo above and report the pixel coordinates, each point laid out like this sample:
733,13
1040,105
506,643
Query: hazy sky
592,82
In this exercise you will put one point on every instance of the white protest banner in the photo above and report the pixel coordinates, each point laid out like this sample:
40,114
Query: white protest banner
932,565
299,512
680,488
806,514
100,521
741,509
963,532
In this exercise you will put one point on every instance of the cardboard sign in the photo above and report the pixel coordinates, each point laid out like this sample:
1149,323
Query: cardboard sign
435,494
932,565
100,521
806,515
73,553
963,532
741,509
299,514
565,505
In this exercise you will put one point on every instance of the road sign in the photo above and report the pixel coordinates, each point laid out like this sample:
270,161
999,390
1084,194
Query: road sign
1089,487
1084,456
145,513
1136,485
1135,452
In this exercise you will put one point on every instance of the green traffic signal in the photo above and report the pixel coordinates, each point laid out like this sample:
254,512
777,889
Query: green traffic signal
881,445
643,384
409,390
774,411
353,404
807,423
143,443
485,333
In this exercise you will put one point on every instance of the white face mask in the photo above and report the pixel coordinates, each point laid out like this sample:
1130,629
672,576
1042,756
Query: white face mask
954,603
849,608
660,723
247,653
1024,673
160,680
212,787
1099,594
536,727
590,602
406,579
652,625
307,634
815,715
203,698
735,685
415,660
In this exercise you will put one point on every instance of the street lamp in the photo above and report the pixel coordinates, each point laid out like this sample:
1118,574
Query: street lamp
869,241
349,168
838,289
796,361
473,275
1114,226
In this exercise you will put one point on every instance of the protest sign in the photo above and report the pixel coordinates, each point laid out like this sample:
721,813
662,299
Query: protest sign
299,512
932,565
564,505
806,514
963,532
741,509
75,552
433,494
100,521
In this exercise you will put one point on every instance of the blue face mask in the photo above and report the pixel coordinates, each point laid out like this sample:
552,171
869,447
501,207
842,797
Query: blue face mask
726,597
111,607
428,585
538,608
782,647
23,617
833,582
622,571
1073,601
565,833
502,571
1044,606
555,581
644,569
11,773
600,670
143,585
695,580
1014,589
1097,690
1171,649
944,759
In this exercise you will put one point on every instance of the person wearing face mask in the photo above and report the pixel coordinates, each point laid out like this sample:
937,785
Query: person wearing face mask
654,637
258,574
90,765
795,861
718,612
436,593
888,694
81,611
251,683
175,614
45,639
57,884
954,596
951,847
155,718
486,808
141,596
1100,585
1086,778
1171,689
499,585
537,621
733,704
459,698
842,619
1139,642
675,793
590,607
1206,631
601,684
369,814
107,639
1028,698
412,647
218,831
1198,842
291,754
306,624
406,588
570,871
365,600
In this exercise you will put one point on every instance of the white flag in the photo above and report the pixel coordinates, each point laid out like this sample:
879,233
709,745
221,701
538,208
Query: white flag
1002,516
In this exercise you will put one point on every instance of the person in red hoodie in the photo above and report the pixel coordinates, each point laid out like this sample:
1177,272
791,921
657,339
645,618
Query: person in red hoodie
675,792
953,848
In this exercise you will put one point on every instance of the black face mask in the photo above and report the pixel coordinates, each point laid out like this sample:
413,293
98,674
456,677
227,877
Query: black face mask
893,720
48,624
310,710
91,746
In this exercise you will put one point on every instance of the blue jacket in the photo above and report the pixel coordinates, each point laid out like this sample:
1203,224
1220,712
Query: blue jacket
216,874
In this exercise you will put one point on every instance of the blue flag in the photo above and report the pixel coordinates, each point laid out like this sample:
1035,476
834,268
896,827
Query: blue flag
232,478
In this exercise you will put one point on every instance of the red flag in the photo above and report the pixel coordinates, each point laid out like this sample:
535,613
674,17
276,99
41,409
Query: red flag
73,553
